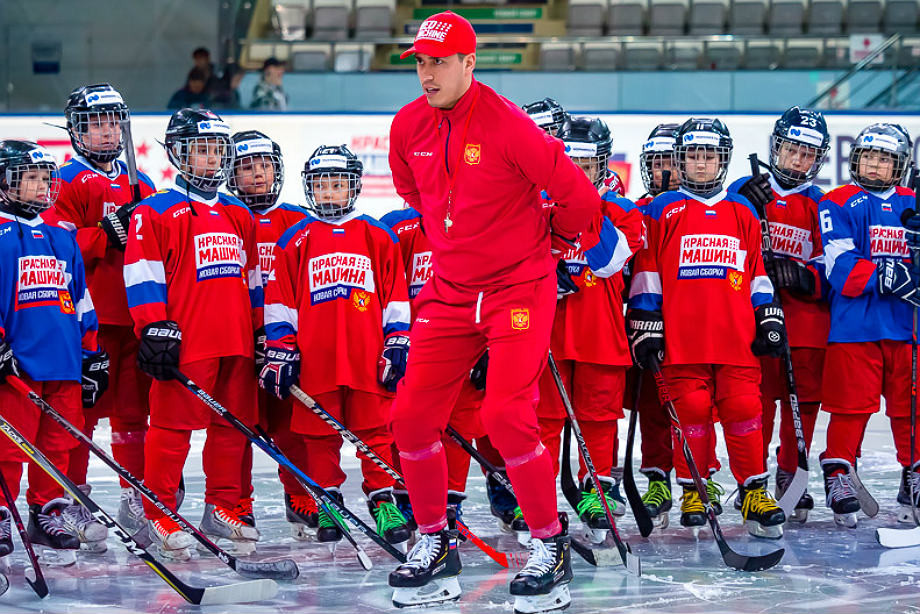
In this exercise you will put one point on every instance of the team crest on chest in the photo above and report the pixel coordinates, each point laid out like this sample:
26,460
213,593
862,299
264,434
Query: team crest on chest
472,154
735,278
361,300
590,278
520,319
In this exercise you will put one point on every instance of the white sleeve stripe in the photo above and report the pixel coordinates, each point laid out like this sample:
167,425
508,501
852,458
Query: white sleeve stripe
84,305
255,278
396,311
621,254
834,249
144,271
761,285
647,282
276,313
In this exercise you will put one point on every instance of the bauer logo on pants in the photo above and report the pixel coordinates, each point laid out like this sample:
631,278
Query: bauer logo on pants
520,319
472,154
41,281
709,256
218,254
335,275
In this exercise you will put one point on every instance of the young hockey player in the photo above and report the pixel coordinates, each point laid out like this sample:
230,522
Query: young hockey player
338,297
546,113
97,200
703,265
873,291
195,295
798,149
590,290
47,337
256,179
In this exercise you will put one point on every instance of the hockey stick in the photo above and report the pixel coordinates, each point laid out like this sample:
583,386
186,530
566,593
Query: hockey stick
37,581
597,558
251,590
505,559
315,489
131,163
731,558
640,512
799,483
285,569
630,560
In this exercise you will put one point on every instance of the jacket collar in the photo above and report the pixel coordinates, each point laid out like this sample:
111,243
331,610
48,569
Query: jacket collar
463,105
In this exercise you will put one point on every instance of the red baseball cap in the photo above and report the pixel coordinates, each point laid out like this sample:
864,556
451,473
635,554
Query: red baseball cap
442,35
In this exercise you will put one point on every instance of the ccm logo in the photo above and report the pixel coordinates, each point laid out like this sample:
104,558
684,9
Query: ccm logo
168,333
422,154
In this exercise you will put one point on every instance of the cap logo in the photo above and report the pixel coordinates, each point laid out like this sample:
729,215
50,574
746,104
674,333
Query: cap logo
94,99
580,150
433,30
40,155
660,143
214,127
702,138
255,146
328,161
806,135
542,118
880,141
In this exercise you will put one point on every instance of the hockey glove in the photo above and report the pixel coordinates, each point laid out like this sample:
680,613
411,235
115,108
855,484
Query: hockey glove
115,225
259,349
281,369
158,354
911,222
565,285
757,190
646,337
479,371
8,364
896,278
95,377
791,275
391,366
770,337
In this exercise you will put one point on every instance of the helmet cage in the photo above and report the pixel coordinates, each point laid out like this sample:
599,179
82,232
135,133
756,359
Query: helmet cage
791,178
655,150
702,187
890,147
180,148
95,148
246,152
14,180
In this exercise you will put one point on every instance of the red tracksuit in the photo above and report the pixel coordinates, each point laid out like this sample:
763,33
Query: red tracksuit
475,172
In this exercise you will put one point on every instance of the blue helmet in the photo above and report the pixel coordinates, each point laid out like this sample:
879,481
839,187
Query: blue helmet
799,136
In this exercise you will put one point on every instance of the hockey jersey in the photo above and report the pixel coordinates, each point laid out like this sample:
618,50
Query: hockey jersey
191,258
46,310
338,289
270,225
795,234
414,247
702,268
88,194
858,229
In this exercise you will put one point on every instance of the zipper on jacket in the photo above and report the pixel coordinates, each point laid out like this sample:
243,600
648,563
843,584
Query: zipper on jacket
447,147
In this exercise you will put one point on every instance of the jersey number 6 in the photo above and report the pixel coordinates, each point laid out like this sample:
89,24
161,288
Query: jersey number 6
826,225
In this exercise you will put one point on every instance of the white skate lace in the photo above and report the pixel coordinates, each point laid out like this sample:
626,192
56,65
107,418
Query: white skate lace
135,505
839,488
77,516
51,523
541,560
423,552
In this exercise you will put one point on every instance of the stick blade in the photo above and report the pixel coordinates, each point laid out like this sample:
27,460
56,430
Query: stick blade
867,503
898,538
364,560
241,592
284,569
38,584
794,492
751,563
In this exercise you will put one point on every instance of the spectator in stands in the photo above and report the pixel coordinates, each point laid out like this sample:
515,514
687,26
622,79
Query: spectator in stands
268,94
226,94
193,94
202,59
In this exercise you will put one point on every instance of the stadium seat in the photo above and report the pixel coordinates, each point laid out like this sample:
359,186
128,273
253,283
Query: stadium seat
708,16
374,18
642,56
720,55
557,57
290,18
683,55
864,16
825,17
353,57
747,17
837,53
601,56
909,53
667,17
802,54
761,55
900,16
786,17
310,57
586,17
330,19
626,17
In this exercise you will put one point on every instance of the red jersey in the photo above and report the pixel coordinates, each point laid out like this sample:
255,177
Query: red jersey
338,289
193,260
703,269
270,225
474,172
88,194
414,247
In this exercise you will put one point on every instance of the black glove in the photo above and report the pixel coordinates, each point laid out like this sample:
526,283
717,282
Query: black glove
8,364
646,336
391,366
565,285
115,225
896,278
260,349
95,377
791,275
911,221
757,190
282,368
479,371
158,354
770,338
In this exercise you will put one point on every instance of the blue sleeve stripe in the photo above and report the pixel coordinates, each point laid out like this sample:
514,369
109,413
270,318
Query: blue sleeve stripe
611,253
146,293
761,298
649,302
278,330
257,297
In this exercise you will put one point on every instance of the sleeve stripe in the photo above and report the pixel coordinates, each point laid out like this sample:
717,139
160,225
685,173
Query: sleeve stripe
834,249
649,302
607,262
146,293
761,291
276,313
84,306
646,282
858,278
396,315
144,271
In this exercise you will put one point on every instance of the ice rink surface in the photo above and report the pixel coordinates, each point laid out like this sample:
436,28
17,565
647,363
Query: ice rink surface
825,569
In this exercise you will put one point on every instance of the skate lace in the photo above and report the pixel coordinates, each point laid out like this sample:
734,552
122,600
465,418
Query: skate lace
135,505
714,490
243,507
658,492
52,523
758,501
839,487
303,504
325,521
165,527
690,502
591,503
518,513
228,517
424,551
388,516
541,560
77,516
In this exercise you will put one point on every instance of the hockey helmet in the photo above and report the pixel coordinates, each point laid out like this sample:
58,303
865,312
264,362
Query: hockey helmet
892,146
253,151
96,120
587,140
700,138
799,136
29,178
546,113
332,181
204,135
657,154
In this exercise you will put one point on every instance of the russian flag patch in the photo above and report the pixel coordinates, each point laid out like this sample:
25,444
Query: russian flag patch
711,212
37,234
213,212
781,203
338,231
264,220
886,207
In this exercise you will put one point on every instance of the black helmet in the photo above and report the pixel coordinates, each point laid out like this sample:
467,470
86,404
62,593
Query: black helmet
97,104
588,138
800,133
194,127
697,134
892,142
247,146
326,163
546,113
18,159
658,151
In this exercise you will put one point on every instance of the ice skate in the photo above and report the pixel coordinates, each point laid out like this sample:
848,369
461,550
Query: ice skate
301,512
405,508
390,522
172,542
454,509
762,516
614,492
504,507
53,542
692,510
591,511
91,533
327,531
6,531
542,586
429,575
131,510
715,492
805,504
839,493
657,499
221,523
244,512
905,509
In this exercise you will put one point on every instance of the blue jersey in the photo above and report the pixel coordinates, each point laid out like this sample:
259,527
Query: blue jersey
859,229
46,313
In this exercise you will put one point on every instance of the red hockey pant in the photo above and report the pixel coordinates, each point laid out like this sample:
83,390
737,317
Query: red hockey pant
452,328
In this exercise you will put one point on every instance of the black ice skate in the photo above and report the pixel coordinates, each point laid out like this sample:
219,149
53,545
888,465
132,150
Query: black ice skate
692,510
328,532
542,586
244,511
390,522
6,531
840,496
454,509
657,499
55,545
715,493
300,511
762,516
905,509
405,508
429,575
591,510
805,504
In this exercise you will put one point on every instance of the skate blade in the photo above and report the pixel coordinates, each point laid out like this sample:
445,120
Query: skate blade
758,530
523,537
558,599
55,558
799,515
435,592
98,547
179,555
661,521
906,514
845,520
402,546
302,533
595,536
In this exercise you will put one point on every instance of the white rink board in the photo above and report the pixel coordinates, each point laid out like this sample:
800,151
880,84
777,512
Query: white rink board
368,136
